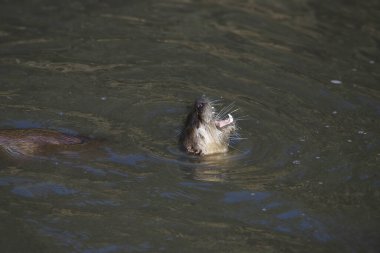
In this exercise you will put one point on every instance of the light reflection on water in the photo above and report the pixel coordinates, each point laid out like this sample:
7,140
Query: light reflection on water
304,74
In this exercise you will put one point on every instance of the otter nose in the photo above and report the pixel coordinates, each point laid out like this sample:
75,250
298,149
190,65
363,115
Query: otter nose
200,105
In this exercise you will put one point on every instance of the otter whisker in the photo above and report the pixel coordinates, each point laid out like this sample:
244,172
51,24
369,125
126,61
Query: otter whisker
224,111
216,104
235,136
234,110
242,118
178,132
240,138
215,100
227,106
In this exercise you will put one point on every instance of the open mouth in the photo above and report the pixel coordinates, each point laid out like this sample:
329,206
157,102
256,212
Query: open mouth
224,122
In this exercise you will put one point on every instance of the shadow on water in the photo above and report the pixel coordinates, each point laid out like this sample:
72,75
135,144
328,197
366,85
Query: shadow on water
303,179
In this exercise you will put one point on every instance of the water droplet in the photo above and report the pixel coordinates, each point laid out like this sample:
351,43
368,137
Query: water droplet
103,98
372,62
335,81
349,140
296,162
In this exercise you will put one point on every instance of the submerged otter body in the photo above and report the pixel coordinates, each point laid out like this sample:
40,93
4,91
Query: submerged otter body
29,142
205,131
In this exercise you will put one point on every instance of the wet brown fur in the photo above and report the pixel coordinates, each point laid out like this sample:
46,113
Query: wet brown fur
29,142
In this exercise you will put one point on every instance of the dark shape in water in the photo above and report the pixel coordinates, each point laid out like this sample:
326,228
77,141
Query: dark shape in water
29,142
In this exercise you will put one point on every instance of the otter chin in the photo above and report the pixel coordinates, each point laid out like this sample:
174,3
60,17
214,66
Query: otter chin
205,131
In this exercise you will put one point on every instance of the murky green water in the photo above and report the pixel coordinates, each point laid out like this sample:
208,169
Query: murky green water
306,73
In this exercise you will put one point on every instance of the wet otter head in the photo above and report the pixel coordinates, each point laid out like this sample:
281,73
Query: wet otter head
205,131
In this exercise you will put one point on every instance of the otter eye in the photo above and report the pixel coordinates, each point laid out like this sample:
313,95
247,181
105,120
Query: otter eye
200,105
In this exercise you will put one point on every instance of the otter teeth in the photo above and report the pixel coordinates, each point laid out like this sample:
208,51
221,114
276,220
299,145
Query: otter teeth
225,122
230,118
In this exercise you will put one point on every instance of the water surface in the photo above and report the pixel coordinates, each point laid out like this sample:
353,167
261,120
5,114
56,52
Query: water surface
304,75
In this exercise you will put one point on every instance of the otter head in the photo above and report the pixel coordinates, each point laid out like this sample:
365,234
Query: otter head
205,131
